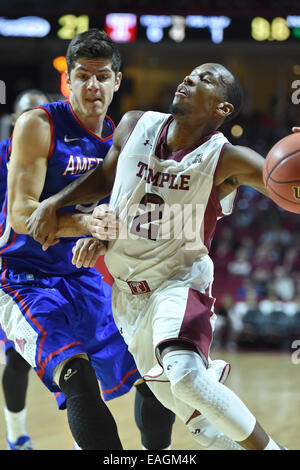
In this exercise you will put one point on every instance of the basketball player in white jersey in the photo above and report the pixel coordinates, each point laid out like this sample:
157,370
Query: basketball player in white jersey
175,175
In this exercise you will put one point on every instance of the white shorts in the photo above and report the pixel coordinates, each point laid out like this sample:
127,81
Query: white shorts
172,312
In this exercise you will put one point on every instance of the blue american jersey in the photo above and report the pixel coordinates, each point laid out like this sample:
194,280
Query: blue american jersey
74,150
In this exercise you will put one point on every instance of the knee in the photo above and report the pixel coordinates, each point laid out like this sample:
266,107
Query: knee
150,413
62,368
77,376
184,369
182,382
154,421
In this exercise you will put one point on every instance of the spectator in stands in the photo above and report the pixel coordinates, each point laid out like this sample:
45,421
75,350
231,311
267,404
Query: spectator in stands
283,284
240,265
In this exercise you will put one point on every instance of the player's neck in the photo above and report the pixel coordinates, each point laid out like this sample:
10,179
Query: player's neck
182,134
92,123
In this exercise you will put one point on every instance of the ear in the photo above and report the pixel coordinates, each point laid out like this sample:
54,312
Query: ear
118,81
68,80
224,109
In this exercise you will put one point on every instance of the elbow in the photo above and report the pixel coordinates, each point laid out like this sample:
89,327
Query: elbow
16,223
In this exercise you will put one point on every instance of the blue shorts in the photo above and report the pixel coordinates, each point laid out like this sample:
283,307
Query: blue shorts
50,318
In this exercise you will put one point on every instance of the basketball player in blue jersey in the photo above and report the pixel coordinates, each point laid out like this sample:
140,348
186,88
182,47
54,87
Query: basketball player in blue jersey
16,371
161,295
58,317
15,374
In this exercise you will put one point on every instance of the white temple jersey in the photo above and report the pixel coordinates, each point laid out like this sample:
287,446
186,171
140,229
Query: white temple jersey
166,207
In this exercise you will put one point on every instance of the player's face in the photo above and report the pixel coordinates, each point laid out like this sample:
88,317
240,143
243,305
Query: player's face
92,83
202,92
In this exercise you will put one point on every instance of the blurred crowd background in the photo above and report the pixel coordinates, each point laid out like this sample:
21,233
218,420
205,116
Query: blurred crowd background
255,250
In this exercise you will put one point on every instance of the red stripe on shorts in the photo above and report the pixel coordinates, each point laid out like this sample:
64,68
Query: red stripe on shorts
131,372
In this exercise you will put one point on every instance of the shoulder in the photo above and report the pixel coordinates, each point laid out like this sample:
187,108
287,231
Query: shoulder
125,127
130,118
32,131
33,120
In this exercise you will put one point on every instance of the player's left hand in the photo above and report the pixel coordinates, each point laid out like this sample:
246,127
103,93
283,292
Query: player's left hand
87,251
42,225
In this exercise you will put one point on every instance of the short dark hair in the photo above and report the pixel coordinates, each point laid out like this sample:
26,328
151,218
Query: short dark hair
93,43
234,95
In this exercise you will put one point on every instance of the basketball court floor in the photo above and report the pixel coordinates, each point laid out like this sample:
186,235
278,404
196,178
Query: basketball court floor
269,383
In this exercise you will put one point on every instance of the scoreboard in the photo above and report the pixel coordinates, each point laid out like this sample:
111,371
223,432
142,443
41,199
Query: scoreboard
130,27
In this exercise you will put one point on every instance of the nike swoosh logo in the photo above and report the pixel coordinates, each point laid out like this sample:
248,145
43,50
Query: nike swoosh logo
67,139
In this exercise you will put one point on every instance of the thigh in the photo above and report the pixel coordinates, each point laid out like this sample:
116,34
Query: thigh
181,313
35,318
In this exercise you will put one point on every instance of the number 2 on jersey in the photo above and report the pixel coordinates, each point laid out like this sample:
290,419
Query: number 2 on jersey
148,217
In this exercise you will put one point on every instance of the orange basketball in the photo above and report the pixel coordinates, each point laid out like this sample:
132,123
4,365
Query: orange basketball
281,173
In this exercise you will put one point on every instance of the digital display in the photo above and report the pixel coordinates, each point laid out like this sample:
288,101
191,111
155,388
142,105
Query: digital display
72,25
129,27
121,27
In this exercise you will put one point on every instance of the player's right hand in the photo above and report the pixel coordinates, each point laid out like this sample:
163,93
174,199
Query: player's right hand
103,223
42,225
87,251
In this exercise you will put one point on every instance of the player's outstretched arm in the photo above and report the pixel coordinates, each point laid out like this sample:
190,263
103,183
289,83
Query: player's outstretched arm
90,187
241,166
102,224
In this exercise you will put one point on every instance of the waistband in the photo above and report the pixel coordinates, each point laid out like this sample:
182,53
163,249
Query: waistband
134,287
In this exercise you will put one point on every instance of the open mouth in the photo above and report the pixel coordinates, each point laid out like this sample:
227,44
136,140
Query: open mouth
181,91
